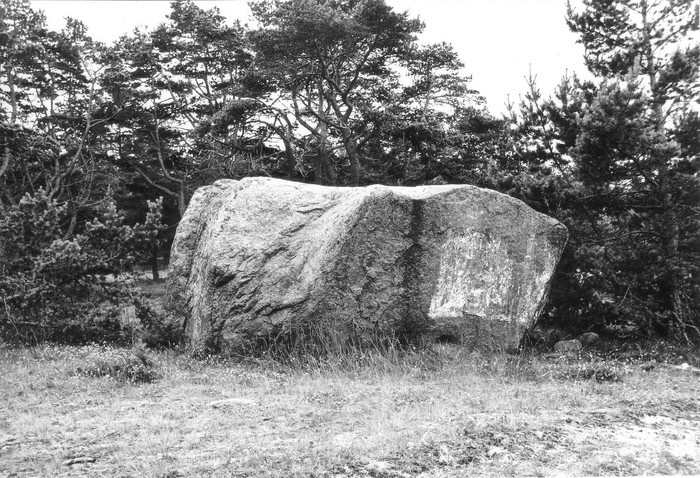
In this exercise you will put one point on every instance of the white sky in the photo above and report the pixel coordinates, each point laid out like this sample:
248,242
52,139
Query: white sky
499,41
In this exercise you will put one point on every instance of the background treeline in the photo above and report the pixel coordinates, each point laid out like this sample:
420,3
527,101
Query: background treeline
339,92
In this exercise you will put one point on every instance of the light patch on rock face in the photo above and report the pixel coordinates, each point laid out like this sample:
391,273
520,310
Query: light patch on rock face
532,285
475,278
478,277
485,288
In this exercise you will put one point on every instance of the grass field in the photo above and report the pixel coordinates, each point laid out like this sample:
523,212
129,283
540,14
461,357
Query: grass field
79,411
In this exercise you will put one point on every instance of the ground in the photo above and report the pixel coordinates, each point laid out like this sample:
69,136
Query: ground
446,412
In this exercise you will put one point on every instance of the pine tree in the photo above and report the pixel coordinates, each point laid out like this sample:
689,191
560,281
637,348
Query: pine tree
628,154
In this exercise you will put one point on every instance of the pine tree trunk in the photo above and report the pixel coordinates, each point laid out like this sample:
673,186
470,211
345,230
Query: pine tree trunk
154,263
290,161
13,93
318,170
181,200
351,150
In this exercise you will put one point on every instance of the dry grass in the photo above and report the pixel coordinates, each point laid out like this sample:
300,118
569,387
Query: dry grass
442,413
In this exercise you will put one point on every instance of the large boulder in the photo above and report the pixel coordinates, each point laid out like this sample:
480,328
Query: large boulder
259,260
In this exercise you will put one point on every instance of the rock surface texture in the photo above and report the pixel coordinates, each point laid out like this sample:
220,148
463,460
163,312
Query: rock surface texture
261,259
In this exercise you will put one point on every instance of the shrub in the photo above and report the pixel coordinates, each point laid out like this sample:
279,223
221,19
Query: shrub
64,285
159,329
124,365
600,372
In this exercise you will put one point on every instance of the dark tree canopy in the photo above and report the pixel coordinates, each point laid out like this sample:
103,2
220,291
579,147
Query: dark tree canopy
341,92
